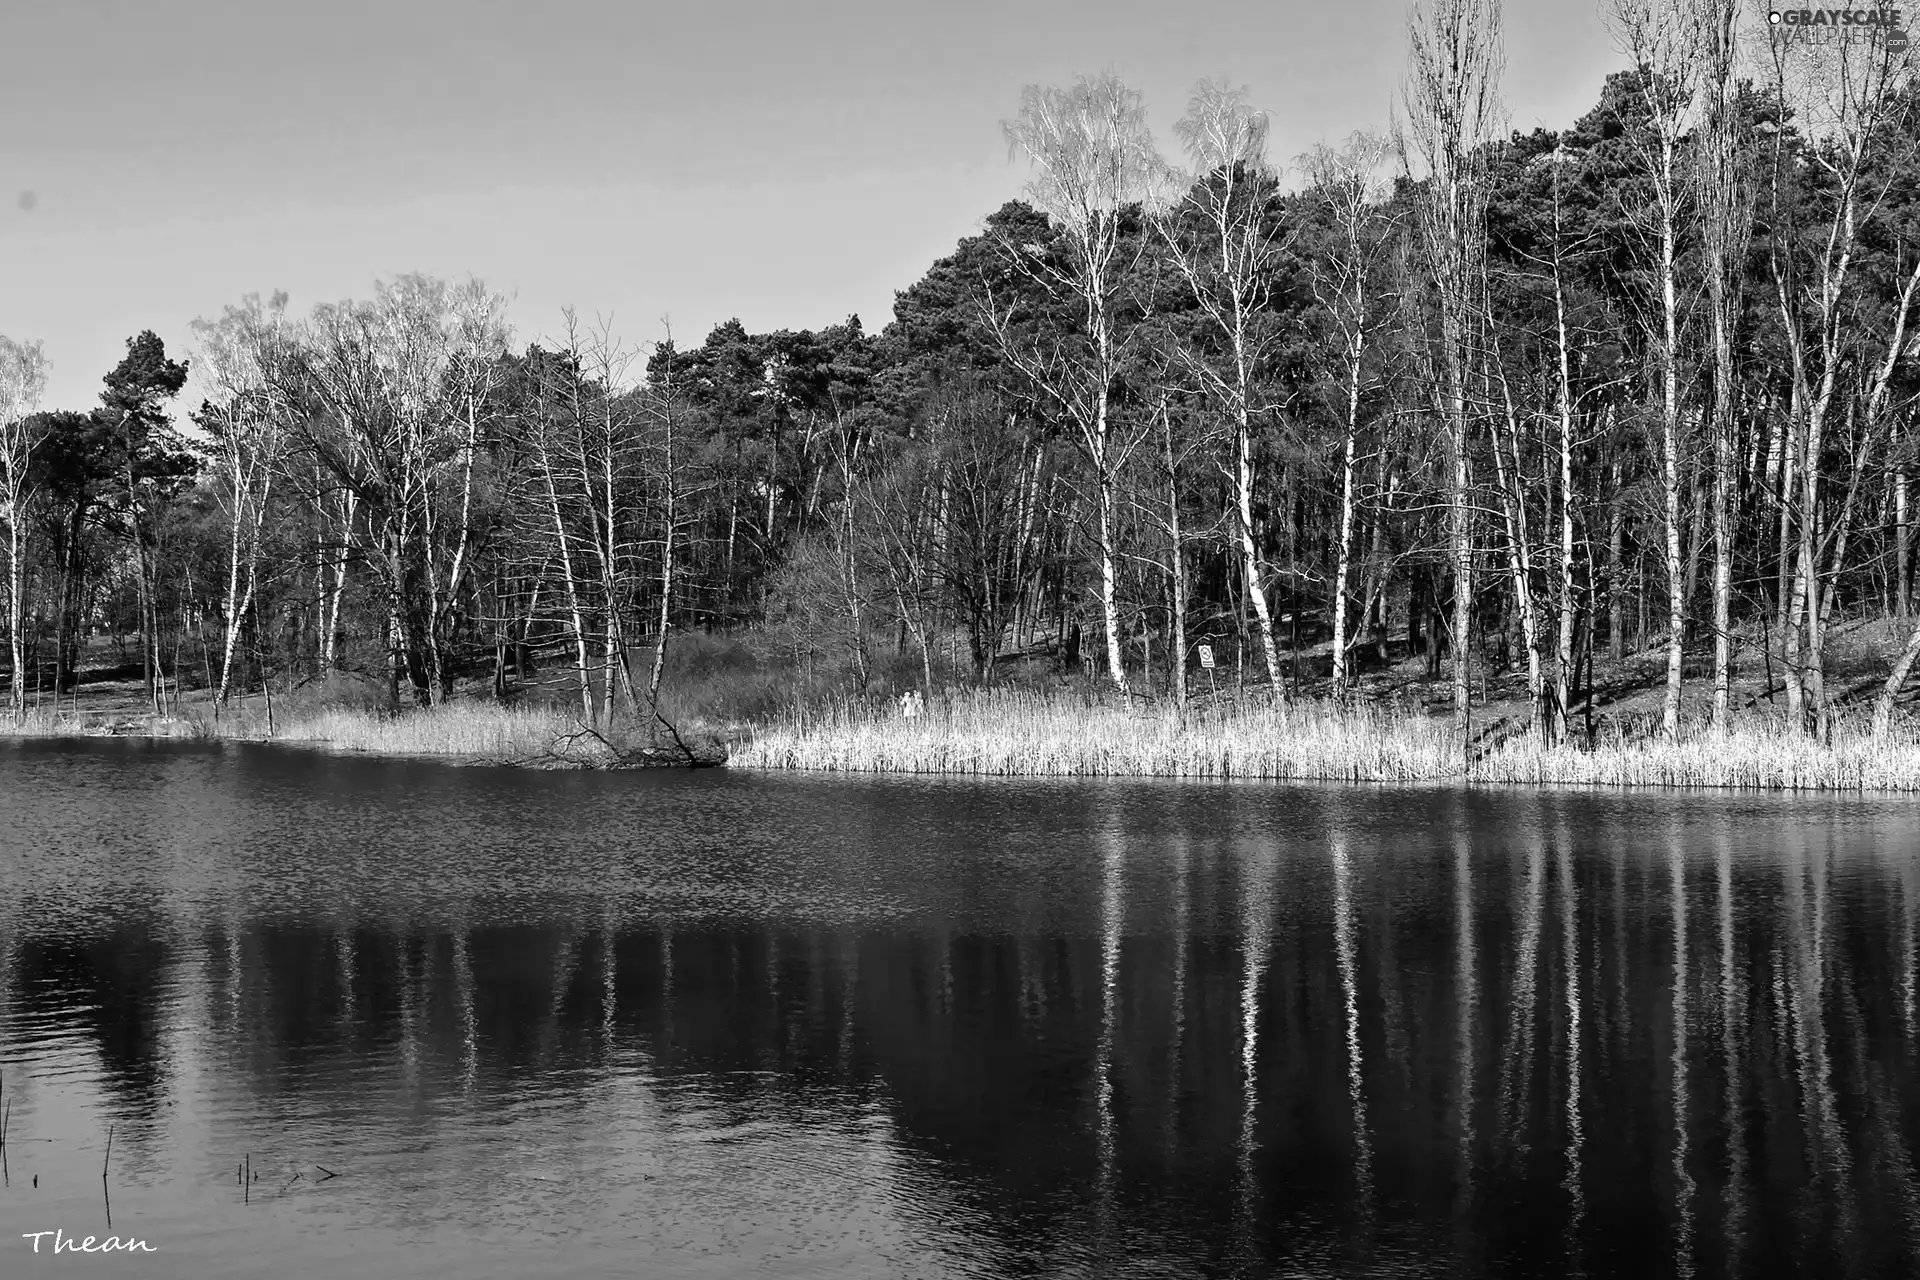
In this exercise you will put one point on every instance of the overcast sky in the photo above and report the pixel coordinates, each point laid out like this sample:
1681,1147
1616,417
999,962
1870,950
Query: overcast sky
786,162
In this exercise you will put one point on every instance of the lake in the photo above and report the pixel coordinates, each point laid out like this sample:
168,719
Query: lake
484,1022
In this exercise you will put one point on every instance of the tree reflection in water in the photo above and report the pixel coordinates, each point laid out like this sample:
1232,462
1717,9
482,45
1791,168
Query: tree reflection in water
944,1029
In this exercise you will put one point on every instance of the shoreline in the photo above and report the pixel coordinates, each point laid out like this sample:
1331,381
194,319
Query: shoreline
321,746
463,733
1013,735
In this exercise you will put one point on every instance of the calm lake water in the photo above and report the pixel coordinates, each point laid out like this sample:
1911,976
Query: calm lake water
714,1024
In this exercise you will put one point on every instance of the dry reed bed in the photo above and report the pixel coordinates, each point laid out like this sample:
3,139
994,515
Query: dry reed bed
1012,735
67,724
476,729
1015,735
1751,757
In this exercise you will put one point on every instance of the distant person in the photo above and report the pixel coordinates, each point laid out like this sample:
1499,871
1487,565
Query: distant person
910,704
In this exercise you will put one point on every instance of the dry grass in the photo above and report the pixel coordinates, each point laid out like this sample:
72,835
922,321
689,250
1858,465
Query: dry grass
1010,734
480,731
70,724
1758,754
1024,735
473,730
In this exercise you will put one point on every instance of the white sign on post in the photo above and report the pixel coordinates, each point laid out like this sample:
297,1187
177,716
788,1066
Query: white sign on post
1206,657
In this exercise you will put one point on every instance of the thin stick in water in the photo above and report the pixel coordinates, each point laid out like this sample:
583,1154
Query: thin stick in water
105,1198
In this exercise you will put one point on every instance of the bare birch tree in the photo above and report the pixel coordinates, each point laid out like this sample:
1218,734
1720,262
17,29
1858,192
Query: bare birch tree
1555,726
1095,158
898,517
1663,41
403,379
669,451
1346,182
1846,93
1177,594
556,416
1510,474
1725,210
1225,239
1452,103
602,445
475,336
244,356
23,380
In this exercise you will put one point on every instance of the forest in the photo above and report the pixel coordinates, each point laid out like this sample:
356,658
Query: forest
1449,399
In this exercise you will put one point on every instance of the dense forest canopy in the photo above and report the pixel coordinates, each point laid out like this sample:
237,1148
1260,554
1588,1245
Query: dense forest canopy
1496,398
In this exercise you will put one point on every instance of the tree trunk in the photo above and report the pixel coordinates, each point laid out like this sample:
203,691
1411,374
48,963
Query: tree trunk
1902,545
396,624
337,591
1176,576
67,628
1787,589
1616,579
576,614
1249,551
148,641
1670,478
1109,602
1809,592
1725,225
16,610
1460,535
1511,477
235,605
850,569
1554,725
1896,680
1343,553
1723,528
671,513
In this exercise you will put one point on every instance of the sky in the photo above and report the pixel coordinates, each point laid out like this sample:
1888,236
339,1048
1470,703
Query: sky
788,163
